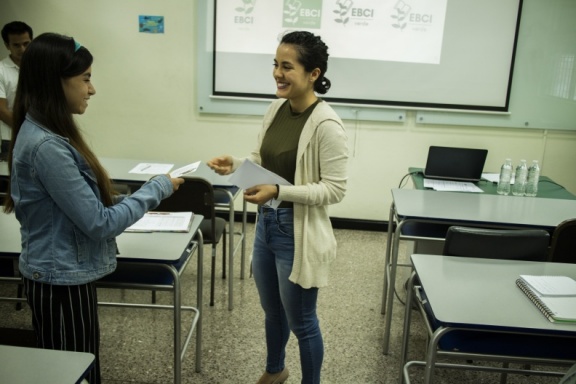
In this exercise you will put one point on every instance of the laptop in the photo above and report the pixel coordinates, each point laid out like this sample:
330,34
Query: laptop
450,163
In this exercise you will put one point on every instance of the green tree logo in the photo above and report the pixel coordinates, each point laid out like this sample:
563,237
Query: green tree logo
291,8
247,7
402,11
344,7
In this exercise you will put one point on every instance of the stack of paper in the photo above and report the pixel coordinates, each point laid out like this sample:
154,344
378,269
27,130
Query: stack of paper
451,186
250,174
163,222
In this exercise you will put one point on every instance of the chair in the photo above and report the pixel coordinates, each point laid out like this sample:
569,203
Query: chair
526,244
529,245
563,245
224,197
197,195
3,189
9,273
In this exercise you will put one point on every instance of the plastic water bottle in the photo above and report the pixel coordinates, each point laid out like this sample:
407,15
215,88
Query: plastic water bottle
533,178
505,176
519,187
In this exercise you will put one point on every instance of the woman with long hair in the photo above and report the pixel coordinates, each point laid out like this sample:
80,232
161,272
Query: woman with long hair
68,212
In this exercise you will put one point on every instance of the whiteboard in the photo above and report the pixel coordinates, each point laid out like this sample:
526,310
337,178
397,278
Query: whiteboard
207,103
416,53
543,92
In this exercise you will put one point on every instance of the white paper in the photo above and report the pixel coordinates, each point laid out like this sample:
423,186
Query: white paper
451,186
250,174
163,222
152,168
190,168
495,177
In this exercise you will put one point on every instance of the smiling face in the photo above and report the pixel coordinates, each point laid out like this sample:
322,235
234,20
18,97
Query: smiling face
78,90
292,80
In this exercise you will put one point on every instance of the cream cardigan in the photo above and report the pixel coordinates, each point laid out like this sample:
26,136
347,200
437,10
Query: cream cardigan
320,180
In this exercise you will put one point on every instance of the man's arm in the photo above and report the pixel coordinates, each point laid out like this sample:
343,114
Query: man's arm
5,113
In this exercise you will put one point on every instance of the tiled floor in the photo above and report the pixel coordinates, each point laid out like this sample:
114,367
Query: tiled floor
136,345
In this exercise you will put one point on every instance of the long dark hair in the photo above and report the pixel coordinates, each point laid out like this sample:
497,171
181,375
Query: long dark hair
48,60
313,53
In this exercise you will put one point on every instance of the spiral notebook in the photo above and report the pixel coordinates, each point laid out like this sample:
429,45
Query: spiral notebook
554,296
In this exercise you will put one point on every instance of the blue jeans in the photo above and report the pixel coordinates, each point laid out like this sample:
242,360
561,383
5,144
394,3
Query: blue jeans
287,306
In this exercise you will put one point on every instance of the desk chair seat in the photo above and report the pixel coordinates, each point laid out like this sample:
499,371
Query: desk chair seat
563,246
197,195
530,245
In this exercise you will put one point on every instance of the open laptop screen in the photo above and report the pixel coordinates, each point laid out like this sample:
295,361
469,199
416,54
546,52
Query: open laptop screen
450,163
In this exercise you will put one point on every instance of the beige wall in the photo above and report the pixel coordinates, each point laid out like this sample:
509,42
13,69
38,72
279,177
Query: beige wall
145,105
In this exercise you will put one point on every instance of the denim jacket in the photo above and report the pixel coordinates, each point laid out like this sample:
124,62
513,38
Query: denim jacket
68,235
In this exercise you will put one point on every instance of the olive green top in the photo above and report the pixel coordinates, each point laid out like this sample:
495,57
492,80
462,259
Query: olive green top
280,144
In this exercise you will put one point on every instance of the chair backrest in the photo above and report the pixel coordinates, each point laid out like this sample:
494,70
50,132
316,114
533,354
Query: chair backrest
3,190
196,195
563,246
513,244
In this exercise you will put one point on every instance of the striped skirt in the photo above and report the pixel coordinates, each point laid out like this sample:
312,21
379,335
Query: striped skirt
66,318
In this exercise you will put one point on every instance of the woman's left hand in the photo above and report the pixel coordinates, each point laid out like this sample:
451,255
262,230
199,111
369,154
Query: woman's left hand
260,194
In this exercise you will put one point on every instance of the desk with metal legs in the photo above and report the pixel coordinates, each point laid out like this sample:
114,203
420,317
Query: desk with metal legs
47,366
140,254
454,208
225,193
481,294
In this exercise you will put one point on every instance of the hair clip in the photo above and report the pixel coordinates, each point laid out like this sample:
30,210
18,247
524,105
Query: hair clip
77,46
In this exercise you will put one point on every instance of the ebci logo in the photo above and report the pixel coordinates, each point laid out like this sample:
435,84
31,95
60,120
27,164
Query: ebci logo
403,14
346,12
244,12
302,13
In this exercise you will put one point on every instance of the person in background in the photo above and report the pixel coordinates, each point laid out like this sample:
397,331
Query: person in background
304,141
16,35
68,212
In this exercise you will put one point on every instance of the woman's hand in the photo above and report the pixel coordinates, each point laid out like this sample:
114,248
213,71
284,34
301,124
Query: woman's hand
260,194
221,165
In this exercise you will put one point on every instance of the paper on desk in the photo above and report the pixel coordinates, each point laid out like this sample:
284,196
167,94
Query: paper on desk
451,186
163,222
152,168
250,174
190,168
495,177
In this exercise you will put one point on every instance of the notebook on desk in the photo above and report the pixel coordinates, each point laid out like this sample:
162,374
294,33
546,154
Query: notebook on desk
554,296
451,163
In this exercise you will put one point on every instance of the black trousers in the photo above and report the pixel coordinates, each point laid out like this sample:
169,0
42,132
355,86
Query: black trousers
66,318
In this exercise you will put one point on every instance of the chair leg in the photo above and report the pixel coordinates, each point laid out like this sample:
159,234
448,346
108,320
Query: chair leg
19,295
212,275
504,375
224,254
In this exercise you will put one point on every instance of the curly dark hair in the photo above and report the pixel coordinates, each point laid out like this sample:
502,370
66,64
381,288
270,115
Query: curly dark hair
312,53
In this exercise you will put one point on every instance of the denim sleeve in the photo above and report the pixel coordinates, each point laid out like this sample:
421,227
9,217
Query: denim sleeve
71,185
